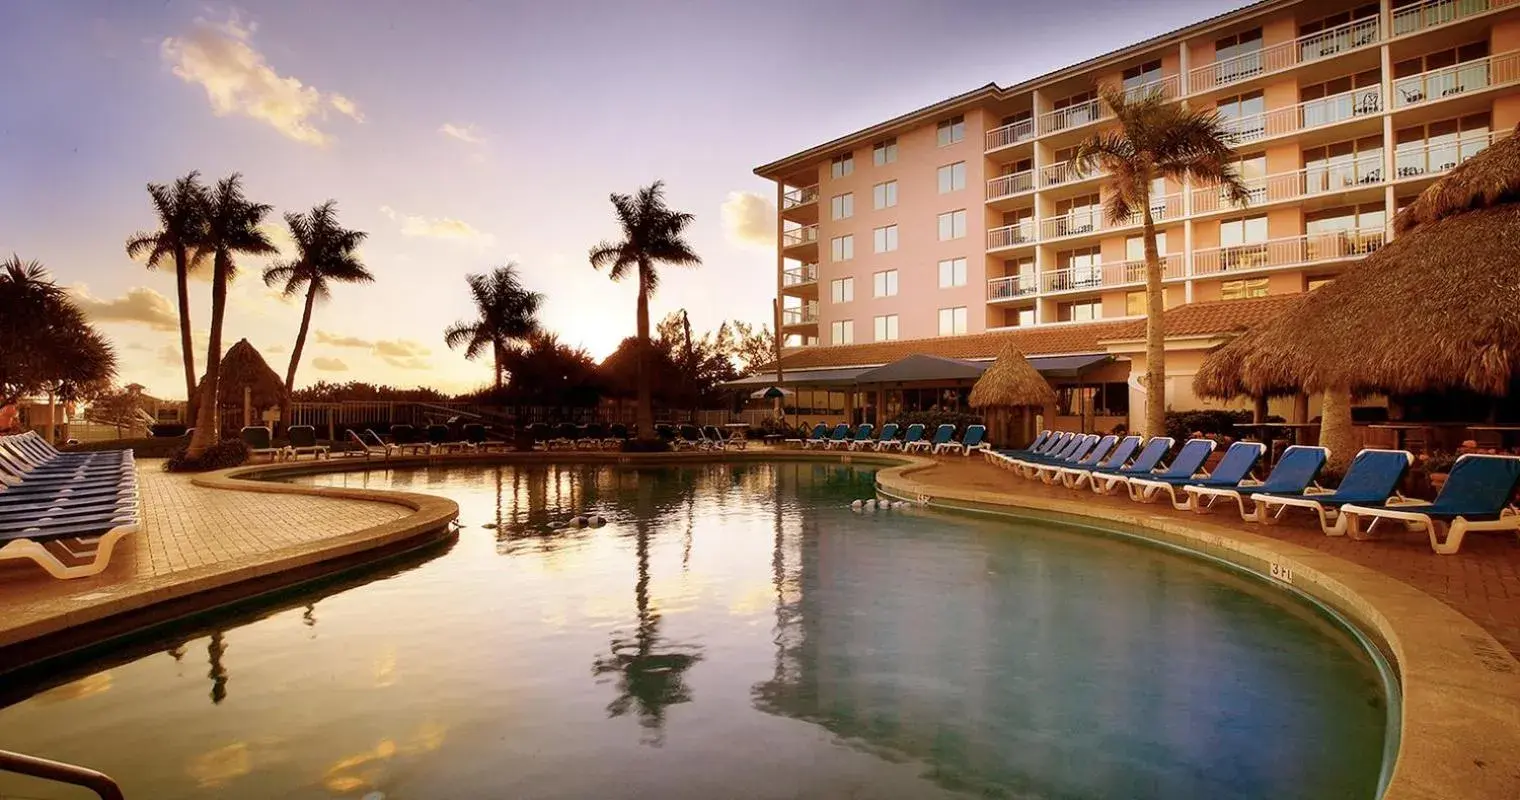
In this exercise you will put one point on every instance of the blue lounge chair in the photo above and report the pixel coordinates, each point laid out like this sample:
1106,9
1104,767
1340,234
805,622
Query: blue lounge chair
1054,447
1294,473
1049,473
888,433
1371,480
942,434
1074,477
1075,450
913,435
970,442
64,513
1047,440
1188,463
691,439
1108,481
838,433
818,438
303,439
1476,497
1232,469
862,435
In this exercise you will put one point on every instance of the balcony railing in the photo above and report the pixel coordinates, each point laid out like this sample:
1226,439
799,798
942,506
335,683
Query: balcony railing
1317,179
1011,287
1062,172
800,276
1072,116
1010,185
1303,116
1010,134
1021,232
1090,219
1468,76
1434,13
799,197
1291,251
1169,87
1414,159
1108,276
794,237
1312,47
807,315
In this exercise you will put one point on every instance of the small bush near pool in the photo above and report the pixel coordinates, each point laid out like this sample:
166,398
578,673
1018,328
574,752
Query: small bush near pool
228,453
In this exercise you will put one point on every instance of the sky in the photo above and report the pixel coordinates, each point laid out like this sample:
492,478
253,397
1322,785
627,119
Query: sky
463,135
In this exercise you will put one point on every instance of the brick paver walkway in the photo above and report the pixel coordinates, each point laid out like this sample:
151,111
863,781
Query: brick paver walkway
1482,581
184,527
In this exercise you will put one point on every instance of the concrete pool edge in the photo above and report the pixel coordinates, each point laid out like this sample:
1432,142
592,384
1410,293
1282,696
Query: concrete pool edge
1459,726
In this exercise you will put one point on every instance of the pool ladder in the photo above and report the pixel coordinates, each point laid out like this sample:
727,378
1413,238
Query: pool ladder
97,782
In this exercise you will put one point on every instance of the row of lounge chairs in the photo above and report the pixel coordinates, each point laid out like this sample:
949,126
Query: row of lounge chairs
912,439
1477,494
65,511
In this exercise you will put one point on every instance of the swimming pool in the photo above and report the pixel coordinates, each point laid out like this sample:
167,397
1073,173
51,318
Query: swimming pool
735,630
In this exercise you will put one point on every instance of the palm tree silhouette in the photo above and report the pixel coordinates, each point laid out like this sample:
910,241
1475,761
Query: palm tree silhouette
326,255
215,649
508,317
652,235
232,228
181,222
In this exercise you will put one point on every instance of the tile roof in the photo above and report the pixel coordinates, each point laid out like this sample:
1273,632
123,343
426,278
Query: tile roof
1193,319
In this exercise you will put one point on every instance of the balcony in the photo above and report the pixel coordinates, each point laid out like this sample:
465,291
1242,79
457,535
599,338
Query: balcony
1015,235
1284,186
1005,186
1109,276
1063,172
1463,78
1304,116
1090,219
1012,287
1293,251
1353,35
807,315
1169,88
806,235
1435,13
1009,135
1421,159
795,198
804,275
1072,116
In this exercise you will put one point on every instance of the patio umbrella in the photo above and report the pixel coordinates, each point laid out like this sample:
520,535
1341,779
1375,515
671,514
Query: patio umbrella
770,393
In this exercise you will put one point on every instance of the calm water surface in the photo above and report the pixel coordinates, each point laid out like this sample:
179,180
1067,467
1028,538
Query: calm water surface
734,631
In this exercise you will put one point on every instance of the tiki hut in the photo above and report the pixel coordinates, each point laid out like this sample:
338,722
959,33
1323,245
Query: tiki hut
1012,391
248,387
1435,309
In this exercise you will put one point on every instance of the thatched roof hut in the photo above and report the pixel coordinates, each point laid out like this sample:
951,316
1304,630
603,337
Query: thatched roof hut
243,367
1437,308
1011,382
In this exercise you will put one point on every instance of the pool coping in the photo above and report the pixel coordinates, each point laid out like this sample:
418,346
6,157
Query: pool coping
1459,724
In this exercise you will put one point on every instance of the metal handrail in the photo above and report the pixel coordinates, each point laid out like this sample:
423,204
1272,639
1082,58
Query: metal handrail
97,782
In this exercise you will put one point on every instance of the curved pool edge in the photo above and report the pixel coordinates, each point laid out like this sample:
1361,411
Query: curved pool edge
1459,725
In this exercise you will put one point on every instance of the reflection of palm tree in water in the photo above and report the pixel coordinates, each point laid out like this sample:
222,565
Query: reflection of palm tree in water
218,673
650,672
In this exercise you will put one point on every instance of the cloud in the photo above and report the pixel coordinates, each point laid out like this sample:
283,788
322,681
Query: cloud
329,364
139,305
135,346
238,81
323,337
402,353
468,134
749,219
274,349
439,228
170,356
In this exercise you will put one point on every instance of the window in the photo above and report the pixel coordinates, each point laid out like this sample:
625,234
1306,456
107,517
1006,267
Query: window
952,321
884,195
886,328
843,289
1136,77
1134,304
1243,51
952,177
951,131
842,165
952,273
952,225
1240,290
1134,247
844,205
885,152
1340,99
1312,282
1249,230
1414,83
1093,399
842,331
1243,116
1085,311
1078,215
1439,146
884,283
843,247
1336,38
1025,317
885,239
1368,216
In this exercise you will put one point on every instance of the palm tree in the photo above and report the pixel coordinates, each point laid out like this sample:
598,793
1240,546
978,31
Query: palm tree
508,317
50,346
325,256
1156,138
652,235
232,229
181,227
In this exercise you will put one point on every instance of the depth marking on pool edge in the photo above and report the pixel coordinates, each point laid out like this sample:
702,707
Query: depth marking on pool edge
1489,656
1282,572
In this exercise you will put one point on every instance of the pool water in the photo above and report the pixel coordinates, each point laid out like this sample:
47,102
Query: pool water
733,631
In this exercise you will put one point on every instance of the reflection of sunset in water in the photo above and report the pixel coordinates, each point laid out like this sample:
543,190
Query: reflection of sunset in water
88,686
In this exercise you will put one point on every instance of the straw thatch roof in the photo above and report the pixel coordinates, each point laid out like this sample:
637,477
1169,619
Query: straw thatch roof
242,366
1437,308
1011,382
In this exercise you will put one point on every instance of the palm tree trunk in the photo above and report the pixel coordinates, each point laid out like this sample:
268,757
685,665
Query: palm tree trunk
496,357
1335,431
645,413
1155,332
207,431
186,347
295,352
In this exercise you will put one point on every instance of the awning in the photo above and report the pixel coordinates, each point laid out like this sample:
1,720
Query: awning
802,377
1068,366
922,367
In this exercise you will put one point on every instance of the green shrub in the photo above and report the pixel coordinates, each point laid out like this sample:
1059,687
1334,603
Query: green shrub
151,447
931,420
224,454
1182,425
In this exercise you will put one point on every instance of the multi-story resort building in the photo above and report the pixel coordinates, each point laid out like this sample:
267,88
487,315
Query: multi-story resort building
957,228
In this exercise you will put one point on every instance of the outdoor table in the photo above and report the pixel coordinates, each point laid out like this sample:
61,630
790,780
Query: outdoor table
1500,436
1400,432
